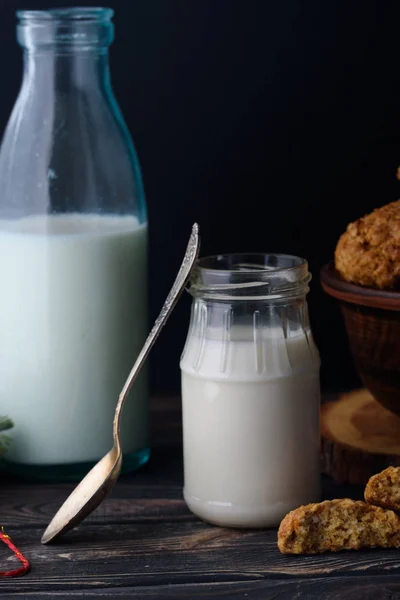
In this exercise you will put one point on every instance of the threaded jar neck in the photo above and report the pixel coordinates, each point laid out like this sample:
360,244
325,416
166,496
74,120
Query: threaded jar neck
250,277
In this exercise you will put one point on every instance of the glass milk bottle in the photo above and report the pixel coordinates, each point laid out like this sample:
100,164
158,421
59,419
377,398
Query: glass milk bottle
73,236
250,391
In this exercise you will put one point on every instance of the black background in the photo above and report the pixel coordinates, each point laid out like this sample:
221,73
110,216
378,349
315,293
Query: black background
271,123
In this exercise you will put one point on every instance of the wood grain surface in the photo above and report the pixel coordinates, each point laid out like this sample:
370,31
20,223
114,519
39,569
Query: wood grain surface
144,543
359,437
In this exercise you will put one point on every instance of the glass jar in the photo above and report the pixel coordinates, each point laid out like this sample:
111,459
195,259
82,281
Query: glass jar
73,253
250,391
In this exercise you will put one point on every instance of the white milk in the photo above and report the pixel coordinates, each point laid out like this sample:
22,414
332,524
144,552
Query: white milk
250,427
72,320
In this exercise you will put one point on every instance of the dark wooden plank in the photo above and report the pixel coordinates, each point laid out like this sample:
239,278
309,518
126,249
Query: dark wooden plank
162,554
34,507
144,542
365,588
136,498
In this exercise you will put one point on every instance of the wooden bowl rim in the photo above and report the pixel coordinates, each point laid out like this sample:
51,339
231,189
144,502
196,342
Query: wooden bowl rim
335,286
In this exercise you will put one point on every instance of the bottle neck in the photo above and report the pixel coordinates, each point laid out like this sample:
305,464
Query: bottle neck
83,70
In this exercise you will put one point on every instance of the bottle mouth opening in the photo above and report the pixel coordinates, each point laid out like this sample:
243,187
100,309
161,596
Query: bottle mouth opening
65,29
250,276
86,14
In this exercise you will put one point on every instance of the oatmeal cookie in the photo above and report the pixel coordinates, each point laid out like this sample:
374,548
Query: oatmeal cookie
336,525
383,489
368,253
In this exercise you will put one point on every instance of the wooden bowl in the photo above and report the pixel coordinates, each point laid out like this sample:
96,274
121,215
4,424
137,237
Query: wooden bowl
372,320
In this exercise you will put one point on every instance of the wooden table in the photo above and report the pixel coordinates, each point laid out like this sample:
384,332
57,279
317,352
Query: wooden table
144,543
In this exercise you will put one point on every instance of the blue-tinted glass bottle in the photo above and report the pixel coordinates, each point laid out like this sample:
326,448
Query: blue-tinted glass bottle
73,254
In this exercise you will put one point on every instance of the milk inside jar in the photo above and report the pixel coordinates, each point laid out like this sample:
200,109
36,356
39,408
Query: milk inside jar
250,392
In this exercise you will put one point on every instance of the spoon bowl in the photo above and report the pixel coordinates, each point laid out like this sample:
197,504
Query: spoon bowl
87,496
100,480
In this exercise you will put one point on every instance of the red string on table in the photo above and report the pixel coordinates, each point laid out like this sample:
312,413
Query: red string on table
26,566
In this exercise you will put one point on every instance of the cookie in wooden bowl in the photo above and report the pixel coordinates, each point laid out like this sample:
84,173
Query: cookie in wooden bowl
365,278
368,252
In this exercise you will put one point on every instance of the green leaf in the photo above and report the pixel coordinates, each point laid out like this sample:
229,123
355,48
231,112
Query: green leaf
5,441
5,423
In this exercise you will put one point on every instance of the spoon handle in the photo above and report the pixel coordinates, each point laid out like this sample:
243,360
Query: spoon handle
192,252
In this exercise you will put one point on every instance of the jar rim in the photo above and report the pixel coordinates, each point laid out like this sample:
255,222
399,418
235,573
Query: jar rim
247,262
269,276
76,13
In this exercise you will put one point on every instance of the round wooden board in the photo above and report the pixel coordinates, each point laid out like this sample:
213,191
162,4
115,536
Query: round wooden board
359,438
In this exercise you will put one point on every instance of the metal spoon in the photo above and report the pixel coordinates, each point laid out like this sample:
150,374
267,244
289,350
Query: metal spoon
93,488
